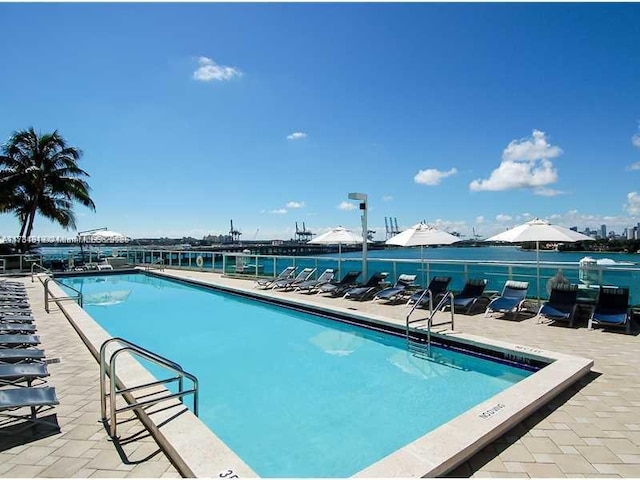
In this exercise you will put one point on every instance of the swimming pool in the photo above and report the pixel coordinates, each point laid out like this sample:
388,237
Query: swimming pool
293,394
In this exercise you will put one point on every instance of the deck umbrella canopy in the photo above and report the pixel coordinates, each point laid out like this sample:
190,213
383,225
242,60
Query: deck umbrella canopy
538,230
422,234
337,236
100,236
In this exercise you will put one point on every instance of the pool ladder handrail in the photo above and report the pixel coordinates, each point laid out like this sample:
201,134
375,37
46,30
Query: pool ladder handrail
448,296
48,296
110,371
160,261
43,269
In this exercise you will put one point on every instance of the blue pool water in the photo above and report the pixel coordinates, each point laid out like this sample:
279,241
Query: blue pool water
293,394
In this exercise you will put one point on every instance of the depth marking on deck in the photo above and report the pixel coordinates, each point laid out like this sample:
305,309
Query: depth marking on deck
492,411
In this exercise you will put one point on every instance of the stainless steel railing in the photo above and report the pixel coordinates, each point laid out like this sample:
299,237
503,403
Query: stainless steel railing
411,344
108,369
35,265
48,296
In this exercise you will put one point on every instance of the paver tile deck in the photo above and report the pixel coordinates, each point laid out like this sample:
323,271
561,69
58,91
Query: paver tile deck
591,429
82,437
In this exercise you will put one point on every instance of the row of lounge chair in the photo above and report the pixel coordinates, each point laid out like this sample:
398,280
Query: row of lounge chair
611,308
23,368
302,282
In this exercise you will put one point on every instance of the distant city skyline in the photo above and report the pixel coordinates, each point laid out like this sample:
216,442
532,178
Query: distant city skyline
475,117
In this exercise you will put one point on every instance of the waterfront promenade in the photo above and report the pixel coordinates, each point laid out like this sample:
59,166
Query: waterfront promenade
591,430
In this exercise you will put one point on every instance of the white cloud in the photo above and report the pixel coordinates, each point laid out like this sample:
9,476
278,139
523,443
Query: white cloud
297,136
534,148
279,211
480,219
547,192
525,164
295,204
387,198
431,176
634,166
503,218
346,206
632,207
635,140
209,70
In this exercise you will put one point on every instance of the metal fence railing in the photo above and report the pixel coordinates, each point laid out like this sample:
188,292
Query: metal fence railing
496,272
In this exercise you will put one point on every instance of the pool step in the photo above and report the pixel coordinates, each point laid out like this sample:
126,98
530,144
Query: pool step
418,348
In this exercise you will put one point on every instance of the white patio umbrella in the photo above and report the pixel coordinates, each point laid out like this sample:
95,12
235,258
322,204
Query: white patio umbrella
100,237
103,236
422,234
337,236
538,230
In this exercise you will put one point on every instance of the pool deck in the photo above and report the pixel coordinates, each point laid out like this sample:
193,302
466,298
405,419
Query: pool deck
590,430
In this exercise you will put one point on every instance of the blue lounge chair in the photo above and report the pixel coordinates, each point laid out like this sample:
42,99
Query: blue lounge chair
16,318
432,294
398,290
34,398
311,285
612,309
18,373
16,328
512,298
18,341
268,282
562,303
21,355
468,298
339,288
289,283
367,290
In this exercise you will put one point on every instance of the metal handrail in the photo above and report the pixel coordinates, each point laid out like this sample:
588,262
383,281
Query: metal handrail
160,262
448,296
35,264
150,356
47,293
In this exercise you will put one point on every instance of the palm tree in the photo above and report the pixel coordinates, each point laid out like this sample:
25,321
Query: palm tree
40,175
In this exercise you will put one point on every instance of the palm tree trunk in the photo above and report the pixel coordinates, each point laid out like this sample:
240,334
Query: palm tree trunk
32,217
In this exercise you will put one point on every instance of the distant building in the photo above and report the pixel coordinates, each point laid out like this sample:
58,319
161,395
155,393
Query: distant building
603,231
575,229
630,233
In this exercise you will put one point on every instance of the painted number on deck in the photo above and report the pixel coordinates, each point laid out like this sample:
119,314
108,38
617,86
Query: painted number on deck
228,474
492,411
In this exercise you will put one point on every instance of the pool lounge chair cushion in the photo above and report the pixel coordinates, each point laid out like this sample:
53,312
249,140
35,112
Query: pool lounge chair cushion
432,294
468,298
562,303
612,309
512,298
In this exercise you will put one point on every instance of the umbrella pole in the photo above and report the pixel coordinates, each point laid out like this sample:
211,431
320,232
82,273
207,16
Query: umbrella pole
339,261
538,269
422,263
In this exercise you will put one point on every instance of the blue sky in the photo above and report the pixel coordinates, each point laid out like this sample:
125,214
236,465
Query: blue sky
464,115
